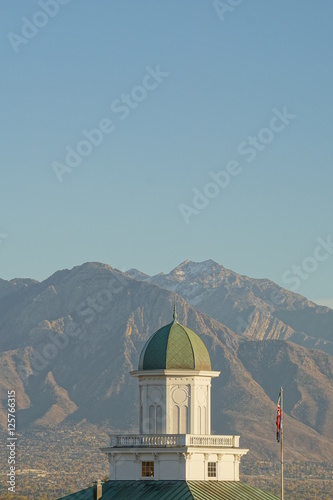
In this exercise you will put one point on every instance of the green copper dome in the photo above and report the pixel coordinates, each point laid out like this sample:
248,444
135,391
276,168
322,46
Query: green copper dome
174,346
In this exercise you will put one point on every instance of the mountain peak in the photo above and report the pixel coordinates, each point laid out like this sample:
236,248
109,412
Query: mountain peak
198,267
136,274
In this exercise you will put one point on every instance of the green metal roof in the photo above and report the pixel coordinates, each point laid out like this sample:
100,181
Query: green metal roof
175,490
174,346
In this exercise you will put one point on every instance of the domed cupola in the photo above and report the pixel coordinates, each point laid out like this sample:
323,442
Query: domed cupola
174,382
174,346
174,441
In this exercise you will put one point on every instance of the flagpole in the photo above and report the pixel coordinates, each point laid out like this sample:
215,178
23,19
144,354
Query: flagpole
282,492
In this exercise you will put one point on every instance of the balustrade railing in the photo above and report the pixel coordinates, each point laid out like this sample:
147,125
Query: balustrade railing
172,440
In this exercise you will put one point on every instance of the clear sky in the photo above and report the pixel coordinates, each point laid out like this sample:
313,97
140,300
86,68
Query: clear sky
179,90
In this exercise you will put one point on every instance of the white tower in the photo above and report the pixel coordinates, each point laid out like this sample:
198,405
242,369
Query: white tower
174,382
175,441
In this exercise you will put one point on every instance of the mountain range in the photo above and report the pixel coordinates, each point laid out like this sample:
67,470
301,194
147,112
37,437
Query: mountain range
256,308
67,345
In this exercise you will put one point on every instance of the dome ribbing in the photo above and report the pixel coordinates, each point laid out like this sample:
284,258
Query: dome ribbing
174,346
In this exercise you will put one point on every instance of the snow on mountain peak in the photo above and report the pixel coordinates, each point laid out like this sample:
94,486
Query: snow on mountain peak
191,267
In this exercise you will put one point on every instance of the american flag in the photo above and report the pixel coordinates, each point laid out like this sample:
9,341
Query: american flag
278,419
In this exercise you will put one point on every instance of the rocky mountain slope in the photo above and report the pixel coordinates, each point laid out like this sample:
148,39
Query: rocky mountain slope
68,343
256,308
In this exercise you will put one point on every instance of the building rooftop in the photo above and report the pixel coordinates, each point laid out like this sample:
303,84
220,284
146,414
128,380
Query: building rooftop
175,490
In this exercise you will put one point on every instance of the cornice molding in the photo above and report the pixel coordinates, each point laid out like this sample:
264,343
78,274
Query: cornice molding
174,373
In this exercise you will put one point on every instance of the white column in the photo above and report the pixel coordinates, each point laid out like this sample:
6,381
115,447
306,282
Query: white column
156,466
208,424
219,467
194,410
145,410
189,410
206,456
138,466
236,470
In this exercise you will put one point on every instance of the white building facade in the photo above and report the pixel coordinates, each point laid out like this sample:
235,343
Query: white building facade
174,440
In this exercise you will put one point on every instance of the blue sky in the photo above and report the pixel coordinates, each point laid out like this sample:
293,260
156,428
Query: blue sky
123,204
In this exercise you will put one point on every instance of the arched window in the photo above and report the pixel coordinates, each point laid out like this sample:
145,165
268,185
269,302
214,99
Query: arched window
175,420
183,420
152,420
159,420
141,416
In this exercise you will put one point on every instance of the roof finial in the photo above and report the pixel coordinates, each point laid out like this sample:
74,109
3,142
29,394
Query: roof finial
174,312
